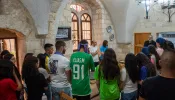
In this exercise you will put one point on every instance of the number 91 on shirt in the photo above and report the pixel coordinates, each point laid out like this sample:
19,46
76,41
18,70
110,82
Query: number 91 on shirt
78,72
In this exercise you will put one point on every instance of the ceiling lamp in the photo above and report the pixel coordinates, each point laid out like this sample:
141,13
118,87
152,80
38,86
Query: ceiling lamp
167,6
147,5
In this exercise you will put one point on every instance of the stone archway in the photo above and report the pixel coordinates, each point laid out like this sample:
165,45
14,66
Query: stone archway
18,41
60,16
95,7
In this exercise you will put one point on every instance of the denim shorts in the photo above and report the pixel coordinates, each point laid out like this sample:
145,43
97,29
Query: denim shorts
56,90
129,96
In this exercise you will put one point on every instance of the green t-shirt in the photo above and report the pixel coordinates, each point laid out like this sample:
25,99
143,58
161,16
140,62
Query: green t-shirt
109,90
80,64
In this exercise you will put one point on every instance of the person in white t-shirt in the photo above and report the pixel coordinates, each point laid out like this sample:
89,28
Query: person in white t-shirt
60,71
129,78
94,52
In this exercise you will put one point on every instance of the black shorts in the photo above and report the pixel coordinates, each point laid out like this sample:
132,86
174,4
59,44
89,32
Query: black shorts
96,64
82,97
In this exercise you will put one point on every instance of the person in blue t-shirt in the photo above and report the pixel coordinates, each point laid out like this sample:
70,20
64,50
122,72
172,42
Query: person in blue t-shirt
103,48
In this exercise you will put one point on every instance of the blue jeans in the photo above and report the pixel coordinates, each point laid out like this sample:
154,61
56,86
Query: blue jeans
56,90
129,96
49,93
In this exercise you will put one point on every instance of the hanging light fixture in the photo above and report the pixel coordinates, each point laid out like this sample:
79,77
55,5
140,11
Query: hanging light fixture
166,5
168,8
147,5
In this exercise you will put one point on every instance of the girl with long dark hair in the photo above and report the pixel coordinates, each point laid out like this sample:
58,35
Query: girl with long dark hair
107,75
9,82
27,55
43,71
35,81
168,45
129,78
146,68
154,57
11,58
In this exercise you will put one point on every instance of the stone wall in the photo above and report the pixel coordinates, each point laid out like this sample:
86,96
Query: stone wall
158,22
120,49
60,16
101,19
14,16
39,10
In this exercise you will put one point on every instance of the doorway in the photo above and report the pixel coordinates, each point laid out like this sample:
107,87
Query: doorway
10,45
139,39
14,42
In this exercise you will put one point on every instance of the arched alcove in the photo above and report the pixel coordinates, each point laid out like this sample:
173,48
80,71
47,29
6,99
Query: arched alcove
60,16
81,24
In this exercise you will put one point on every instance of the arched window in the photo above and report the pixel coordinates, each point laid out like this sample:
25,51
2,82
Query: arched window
86,31
75,32
81,26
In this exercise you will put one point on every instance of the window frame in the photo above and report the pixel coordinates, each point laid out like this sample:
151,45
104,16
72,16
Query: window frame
86,30
74,14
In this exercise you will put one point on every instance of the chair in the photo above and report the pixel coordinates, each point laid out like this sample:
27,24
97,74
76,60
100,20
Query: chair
64,96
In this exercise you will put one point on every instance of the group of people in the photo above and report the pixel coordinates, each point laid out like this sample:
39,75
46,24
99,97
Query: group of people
145,76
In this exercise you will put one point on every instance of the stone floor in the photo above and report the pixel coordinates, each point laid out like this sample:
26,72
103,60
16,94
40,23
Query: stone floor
94,91
94,88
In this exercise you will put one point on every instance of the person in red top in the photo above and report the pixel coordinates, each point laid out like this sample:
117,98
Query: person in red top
8,87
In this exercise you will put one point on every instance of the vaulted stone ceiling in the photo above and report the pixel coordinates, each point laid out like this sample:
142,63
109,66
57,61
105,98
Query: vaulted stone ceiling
124,14
39,10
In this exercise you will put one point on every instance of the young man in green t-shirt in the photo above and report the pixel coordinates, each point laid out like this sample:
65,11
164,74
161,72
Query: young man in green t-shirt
81,62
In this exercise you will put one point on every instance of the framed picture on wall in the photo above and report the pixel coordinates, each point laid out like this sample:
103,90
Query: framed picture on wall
63,33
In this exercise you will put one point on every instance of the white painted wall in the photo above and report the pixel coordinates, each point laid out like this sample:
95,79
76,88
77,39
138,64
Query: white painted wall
133,13
124,14
39,10
117,9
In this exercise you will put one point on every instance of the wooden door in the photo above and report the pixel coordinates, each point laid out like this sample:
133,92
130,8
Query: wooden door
139,39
